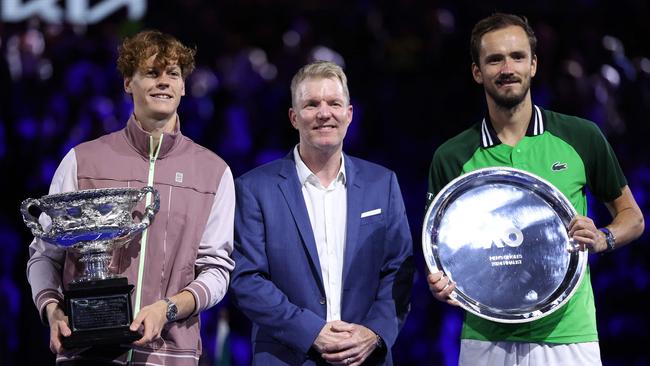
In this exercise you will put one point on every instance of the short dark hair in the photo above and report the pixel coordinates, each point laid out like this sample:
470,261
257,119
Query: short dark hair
499,21
134,52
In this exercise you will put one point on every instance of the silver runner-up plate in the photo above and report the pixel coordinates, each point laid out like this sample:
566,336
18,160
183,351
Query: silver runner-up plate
501,234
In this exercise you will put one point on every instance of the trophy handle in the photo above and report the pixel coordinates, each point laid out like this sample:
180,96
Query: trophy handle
149,211
29,219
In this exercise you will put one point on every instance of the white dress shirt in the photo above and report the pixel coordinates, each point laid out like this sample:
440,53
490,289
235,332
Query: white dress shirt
327,208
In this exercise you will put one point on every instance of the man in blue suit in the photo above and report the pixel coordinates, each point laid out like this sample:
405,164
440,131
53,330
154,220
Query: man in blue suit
323,249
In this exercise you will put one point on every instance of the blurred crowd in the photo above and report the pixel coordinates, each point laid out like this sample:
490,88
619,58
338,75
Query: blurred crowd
408,66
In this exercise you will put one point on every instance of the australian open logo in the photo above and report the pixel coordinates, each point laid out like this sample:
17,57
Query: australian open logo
511,237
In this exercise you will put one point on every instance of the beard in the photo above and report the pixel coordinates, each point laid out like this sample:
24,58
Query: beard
510,100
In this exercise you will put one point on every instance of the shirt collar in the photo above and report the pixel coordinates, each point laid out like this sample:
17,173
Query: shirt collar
304,174
489,138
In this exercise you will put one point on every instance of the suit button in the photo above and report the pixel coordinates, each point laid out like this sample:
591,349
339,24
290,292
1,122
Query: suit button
321,301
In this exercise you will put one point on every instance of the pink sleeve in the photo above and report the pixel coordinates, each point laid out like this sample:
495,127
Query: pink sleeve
46,260
214,260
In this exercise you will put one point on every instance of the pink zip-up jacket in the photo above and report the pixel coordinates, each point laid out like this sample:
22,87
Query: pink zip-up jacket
189,242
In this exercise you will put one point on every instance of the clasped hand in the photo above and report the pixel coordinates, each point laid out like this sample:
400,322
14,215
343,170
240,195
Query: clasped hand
342,343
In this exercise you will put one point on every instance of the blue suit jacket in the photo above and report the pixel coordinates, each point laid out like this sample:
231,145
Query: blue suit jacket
277,279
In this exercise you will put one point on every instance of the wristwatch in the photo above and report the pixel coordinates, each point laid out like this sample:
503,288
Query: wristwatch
172,310
610,239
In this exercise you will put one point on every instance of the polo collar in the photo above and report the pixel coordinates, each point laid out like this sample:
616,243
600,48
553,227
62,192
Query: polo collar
489,138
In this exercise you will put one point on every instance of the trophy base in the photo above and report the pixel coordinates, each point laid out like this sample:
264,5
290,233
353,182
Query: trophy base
103,337
99,313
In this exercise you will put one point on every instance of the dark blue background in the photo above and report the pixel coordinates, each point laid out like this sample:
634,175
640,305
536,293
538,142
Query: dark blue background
409,76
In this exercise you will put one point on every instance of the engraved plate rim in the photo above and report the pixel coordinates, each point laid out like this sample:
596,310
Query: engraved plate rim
128,310
559,202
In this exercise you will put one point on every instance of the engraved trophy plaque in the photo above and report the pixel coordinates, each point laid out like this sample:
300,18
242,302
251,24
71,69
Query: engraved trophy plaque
91,223
501,234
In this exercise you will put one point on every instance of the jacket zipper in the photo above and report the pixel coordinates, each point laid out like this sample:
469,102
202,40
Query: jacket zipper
153,156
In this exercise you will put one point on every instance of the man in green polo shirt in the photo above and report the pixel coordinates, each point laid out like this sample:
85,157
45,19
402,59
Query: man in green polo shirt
569,152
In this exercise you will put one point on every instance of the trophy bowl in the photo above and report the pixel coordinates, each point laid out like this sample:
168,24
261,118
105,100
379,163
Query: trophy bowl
501,234
92,223
94,215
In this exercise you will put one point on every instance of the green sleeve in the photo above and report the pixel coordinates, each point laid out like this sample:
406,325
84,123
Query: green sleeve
440,173
605,177
448,160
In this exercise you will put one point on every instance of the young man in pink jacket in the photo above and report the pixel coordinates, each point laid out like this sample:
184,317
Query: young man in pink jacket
182,265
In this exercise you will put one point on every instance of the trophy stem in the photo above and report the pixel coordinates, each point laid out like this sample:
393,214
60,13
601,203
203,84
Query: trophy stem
95,267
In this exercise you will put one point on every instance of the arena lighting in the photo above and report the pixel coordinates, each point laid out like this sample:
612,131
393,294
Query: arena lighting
71,11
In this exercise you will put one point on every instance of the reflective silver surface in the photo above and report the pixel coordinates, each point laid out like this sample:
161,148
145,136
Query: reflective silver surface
501,235
91,222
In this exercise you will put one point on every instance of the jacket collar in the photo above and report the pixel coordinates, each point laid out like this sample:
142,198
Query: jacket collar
139,138
489,138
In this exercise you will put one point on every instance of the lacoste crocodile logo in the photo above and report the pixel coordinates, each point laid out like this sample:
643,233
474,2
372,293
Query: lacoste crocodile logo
557,166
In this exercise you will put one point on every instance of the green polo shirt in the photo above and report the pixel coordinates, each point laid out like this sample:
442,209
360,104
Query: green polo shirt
572,154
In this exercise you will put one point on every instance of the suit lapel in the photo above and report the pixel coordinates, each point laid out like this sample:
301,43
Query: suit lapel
292,192
354,200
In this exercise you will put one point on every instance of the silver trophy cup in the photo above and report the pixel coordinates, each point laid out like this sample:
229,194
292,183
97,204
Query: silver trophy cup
501,234
92,223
